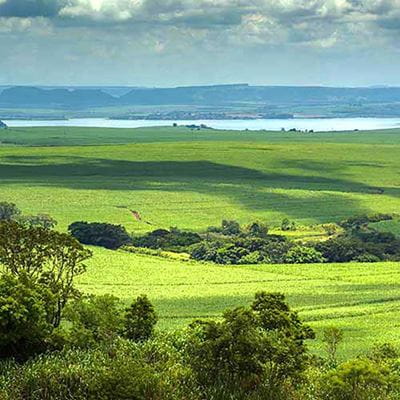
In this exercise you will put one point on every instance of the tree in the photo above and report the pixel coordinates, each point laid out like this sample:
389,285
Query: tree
8,211
24,316
45,257
332,337
230,228
257,229
303,255
140,320
357,380
253,348
100,234
92,319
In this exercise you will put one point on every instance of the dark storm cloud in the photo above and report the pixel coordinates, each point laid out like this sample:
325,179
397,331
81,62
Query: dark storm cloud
31,8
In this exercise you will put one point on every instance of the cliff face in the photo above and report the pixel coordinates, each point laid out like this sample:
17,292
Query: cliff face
2,125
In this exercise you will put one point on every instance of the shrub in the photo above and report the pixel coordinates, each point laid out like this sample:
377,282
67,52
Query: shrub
251,258
140,320
8,211
367,258
41,220
341,249
303,255
100,234
288,225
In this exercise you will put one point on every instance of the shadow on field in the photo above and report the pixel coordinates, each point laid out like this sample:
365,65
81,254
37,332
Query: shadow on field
250,187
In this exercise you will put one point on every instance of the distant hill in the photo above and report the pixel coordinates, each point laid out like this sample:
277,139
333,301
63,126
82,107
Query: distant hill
74,98
22,96
226,94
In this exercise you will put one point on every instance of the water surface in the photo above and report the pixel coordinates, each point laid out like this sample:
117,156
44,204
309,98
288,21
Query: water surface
316,124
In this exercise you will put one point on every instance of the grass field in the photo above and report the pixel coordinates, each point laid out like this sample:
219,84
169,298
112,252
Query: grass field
193,184
176,177
363,299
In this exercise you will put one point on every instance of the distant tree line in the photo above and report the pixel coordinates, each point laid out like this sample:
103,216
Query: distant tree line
231,243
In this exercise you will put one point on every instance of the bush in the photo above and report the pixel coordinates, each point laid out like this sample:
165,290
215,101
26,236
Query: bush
100,234
140,320
288,225
41,220
8,211
303,255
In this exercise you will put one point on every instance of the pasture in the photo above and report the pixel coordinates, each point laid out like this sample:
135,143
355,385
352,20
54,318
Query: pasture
194,184
194,179
362,299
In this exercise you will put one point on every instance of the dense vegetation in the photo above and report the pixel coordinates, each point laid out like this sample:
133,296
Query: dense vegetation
58,343
232,244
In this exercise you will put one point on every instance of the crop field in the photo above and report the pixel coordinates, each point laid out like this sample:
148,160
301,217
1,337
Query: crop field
194,184
194,179
363,299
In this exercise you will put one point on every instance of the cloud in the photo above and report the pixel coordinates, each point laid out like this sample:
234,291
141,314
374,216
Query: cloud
31,8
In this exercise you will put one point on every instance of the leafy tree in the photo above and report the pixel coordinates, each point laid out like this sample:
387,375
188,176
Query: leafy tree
24,316
258,229
45,257
92,319
358,379
8,211
230,228
303,255
254,348
100,234
140,320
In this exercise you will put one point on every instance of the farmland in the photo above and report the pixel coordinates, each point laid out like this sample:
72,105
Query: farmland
363,299
193,179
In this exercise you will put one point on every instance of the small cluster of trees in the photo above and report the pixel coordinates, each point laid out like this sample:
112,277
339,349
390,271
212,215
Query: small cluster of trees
230,243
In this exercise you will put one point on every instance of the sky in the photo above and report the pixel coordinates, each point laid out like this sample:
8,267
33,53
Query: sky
200,42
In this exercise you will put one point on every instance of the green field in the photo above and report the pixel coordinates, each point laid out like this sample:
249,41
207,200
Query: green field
193,184
363,299
193,179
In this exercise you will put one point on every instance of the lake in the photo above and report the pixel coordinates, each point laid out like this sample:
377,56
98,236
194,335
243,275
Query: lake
316,124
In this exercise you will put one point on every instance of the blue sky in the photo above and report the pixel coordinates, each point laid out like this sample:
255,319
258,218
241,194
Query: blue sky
184,42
